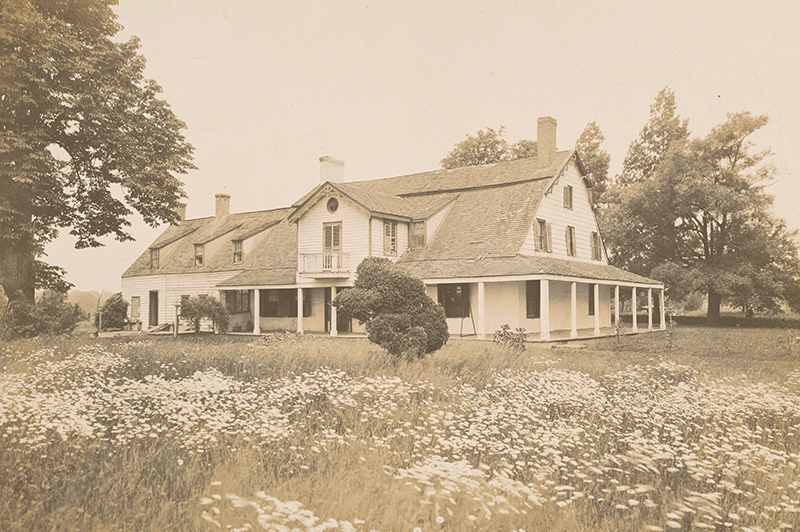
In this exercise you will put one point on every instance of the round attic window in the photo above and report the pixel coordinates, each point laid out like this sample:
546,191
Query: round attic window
333,204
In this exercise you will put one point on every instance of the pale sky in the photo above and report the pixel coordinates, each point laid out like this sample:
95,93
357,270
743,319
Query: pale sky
267,87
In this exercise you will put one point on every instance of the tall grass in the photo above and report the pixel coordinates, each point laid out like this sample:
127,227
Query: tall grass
699,432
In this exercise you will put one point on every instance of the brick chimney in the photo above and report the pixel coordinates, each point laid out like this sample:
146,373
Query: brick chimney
180,210
223,205
331,169
546,141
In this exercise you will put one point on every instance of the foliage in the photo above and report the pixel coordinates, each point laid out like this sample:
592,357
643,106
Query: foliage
506,338
78,120
114,312
595,160
195,309
475,438
697,217
51,316
663,129
487,147
399,315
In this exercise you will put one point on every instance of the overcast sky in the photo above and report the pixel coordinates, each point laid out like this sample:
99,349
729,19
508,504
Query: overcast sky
266,87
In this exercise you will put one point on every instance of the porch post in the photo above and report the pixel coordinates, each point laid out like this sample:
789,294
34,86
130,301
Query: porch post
544,310
596,309
635,326
573,310
256,311
300,311
334,331
616,304
649,309
481,310
662,323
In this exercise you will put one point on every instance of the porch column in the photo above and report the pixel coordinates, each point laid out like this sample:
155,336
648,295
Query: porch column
481,310
573,310
300,311
662,323
544,310
616,305
256,311
596,309
649,309
635,326
334,331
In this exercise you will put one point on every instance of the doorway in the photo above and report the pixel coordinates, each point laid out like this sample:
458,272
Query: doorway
153,308
344,322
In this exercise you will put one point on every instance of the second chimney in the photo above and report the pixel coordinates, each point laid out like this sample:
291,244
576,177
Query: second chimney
546,141
223,205
180,210
331,169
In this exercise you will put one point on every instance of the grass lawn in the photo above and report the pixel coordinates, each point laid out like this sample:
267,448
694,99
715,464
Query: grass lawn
693,430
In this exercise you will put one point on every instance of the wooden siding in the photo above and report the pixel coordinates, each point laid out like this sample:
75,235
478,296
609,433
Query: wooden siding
355,230
170,288
581,217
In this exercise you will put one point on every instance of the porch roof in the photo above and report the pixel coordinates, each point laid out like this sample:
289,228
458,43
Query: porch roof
269,277
519,265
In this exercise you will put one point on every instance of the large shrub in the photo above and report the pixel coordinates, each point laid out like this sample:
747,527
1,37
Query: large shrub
195,309
397,312
114,313
52,315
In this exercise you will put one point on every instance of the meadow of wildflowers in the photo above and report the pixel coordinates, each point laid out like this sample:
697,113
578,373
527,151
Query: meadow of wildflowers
701,433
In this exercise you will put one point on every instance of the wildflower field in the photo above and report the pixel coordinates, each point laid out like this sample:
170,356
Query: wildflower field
697,430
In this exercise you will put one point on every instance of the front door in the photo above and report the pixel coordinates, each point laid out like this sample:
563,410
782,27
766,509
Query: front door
153,308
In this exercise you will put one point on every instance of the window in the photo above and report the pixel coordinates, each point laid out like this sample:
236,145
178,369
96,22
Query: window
331,243
390,238
571,248
542,239
597,247
418,234
333,205
237,301
282,303
591,299
533,296
568,197
238,251
199,250
455,300
154,258
135,304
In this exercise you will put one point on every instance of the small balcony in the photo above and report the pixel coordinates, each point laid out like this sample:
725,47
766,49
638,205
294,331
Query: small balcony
324,265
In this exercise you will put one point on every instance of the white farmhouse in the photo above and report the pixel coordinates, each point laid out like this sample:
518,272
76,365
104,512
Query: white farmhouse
512,243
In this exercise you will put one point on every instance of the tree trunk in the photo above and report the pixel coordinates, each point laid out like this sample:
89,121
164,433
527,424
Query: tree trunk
17,275
714,302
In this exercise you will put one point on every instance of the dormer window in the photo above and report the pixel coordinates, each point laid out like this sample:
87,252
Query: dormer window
238,251
199,251
154,258
568,197
418,234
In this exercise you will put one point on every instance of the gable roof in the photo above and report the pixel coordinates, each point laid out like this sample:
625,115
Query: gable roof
204,230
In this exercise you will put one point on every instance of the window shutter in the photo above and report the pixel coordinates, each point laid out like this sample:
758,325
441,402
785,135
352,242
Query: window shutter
537,244
568,240
574,243
549,238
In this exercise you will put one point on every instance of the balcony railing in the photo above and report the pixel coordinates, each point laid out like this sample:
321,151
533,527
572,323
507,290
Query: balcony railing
325,263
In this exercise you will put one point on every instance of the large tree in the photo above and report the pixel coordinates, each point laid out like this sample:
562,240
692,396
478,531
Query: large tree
595,159
84,138
663,128
487,147
701,220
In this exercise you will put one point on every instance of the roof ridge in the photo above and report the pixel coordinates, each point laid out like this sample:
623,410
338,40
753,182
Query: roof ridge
470,188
